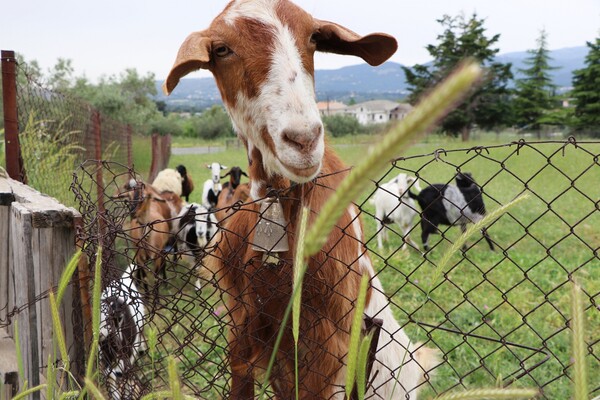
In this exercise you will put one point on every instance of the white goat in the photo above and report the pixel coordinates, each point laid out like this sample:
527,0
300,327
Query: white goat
393,205
212,187
176,180
168,180
122,340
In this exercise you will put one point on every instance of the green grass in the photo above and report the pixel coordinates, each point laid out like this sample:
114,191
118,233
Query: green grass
516,295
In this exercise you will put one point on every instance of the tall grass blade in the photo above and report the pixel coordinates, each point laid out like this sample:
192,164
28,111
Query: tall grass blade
491,394
355,332
59,333
20,367
423,117
50,378
27,392
458,244
93,389
579,351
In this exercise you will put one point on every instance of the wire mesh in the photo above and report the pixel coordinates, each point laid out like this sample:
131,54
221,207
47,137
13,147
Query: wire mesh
57,132
496,317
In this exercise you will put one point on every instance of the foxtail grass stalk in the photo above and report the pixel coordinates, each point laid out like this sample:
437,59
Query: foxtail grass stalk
361,367
490,394
355,343
458,244
430,110
174,380
434,107
67,275
96,293
300,266
579,351
59,334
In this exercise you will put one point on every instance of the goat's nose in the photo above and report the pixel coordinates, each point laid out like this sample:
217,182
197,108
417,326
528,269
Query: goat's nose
303,140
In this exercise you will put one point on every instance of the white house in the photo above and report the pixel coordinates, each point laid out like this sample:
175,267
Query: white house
378,111
328,108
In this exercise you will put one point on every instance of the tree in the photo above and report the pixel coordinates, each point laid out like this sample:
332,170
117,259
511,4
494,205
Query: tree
341,125
214,122
586,91
487,106
126,98
535,91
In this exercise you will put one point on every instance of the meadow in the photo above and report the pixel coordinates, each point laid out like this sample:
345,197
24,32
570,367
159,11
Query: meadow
499,316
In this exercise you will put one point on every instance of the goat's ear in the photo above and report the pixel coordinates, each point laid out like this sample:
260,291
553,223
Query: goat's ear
245,174
193,54
224,167
375,48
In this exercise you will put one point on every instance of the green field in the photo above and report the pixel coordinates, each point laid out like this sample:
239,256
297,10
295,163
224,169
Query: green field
496,316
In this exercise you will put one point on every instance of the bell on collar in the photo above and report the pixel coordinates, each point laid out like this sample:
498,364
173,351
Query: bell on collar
270,235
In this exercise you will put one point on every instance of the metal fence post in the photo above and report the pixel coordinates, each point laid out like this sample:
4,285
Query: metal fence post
14,161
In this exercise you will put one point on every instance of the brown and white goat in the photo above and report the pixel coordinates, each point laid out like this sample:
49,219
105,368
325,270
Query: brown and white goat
150,226
233,192
261,55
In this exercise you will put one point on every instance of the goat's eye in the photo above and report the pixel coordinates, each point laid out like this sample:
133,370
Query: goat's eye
222,50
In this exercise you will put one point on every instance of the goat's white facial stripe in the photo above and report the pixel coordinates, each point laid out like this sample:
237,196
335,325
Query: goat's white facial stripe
285,102
261,10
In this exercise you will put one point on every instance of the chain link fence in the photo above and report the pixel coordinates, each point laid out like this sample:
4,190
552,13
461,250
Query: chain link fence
498,318
51,133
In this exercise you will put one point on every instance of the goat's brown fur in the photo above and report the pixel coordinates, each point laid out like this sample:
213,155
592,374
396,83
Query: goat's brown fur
150,224
329,292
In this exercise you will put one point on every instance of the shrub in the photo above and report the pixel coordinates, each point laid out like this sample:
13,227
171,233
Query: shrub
341,125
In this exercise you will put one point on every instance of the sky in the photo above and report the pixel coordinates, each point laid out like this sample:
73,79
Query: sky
105,38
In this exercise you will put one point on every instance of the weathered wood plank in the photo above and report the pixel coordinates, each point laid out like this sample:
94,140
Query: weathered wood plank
4,239
46,211
21,257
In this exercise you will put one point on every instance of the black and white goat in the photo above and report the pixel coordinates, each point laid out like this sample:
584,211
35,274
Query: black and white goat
212,187
445,204
194,228
233,192
121,339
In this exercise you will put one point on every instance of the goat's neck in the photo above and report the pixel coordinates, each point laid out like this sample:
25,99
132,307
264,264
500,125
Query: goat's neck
311,194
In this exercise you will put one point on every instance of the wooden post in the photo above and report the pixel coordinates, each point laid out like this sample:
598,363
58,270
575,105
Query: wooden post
97,129
154,164
14,161
129,147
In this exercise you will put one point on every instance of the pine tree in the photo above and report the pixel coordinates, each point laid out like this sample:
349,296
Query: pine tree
535,91
586,91
488,105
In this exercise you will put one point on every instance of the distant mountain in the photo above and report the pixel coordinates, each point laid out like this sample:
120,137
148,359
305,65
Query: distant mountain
363,82
566,60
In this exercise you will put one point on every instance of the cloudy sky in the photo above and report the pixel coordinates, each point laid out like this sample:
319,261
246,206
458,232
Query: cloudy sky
105,38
